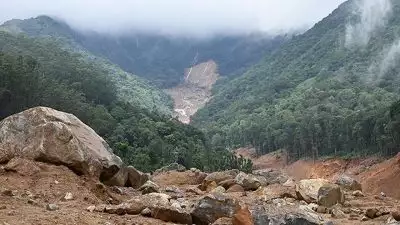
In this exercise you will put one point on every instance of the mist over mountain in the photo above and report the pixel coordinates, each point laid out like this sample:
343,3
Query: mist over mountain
177,17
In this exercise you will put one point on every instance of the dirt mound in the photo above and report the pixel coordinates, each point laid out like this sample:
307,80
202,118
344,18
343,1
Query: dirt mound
29,195
195,91
383,177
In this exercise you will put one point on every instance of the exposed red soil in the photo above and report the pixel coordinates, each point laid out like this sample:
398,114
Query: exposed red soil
375,174
383,177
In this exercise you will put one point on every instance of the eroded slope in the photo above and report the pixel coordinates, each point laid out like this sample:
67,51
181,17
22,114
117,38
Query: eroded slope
195,91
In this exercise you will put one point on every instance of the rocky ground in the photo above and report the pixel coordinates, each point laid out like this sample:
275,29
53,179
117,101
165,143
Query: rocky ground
40,193
54,169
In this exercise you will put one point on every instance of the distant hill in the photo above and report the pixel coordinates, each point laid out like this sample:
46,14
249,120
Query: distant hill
158,58
324,92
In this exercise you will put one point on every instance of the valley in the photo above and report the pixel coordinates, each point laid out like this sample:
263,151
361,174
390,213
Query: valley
249,126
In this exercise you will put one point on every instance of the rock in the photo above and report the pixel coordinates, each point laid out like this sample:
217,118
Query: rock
146,212
195,190
59,138
2,207
91,208
195,170
208,186
261,217
348,183
272,176
227,183
136,178
221,176
7,192
223,221
149,187
68,196
247,181
396,215
337,213
119,179
219,189
358,193
212,207
174,192
242,217
364,218
132,208
235,188
371,213
22,166
383,194
151,200
117,190
52,207
173,166
321,209
307,190
171,214
329,195
276,191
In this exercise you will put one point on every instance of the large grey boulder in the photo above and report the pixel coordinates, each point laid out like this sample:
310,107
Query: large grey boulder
329,195
248,181
272,176
51,136
135,177
307,190
212,207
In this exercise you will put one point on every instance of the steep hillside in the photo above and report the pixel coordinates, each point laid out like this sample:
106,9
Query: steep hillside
130,88
158,58
195,91
324,92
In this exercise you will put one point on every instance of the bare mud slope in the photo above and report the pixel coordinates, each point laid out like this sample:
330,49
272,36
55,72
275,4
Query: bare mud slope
195,91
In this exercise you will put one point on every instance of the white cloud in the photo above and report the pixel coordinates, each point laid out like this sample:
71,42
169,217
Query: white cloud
176,16
372,15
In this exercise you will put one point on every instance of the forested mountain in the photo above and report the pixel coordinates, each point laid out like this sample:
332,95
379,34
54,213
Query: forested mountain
130,87
325,92
41,72
160,59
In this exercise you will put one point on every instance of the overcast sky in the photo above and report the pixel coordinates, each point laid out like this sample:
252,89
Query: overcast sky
176,16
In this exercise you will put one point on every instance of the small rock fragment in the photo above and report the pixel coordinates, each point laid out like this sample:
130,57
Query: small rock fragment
68,196
146,212
358,193
52,207
371,213
91,208
7,192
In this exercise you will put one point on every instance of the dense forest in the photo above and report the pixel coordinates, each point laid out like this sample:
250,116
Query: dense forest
160,59
318,94
38,72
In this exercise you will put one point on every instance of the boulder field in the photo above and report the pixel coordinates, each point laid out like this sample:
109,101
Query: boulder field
54,169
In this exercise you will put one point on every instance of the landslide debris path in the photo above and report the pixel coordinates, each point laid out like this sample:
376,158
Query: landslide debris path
195,91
